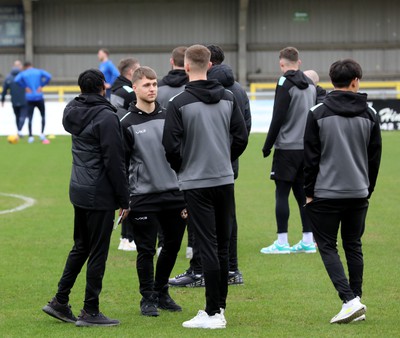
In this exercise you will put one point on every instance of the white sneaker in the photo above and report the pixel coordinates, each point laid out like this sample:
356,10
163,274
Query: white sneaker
31,139
122,242
204,321
129,246
351,310
189,252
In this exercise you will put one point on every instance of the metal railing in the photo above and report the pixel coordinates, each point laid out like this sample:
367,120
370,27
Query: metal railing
373,87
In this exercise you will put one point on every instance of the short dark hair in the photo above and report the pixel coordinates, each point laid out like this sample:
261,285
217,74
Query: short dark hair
142,72
289,53
125,64
105,50
342,72
217,54
91,81
27,64
199,56
178,56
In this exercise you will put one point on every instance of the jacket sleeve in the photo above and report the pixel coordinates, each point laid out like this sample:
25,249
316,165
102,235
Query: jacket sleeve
45,78
111,143
238,132
19,79
6,85
312,154
281,106
374,155
247,113
172,136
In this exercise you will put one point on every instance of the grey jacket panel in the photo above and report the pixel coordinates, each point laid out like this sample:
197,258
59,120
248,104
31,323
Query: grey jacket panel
292,131
149,171
206,153
165,93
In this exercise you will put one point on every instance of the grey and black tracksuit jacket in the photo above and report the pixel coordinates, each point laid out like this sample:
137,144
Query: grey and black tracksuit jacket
224,75
153,185
204,131
295,94
98,179
170,85
342,147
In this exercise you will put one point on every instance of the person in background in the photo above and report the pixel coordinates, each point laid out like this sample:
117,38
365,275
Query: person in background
155,199
204,131
342,151
33,80
295,94
108,68
17,94
176,79
98,187
193,276
122,93
321,92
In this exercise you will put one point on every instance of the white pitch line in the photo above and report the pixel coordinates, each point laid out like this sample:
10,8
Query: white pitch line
28,203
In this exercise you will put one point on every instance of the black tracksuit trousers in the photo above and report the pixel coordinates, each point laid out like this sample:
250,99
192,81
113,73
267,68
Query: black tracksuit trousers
145,227
92,234
211,211
326,216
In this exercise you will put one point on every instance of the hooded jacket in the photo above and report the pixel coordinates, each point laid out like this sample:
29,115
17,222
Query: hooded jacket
204,131
170,85
295,94
153,185
16,91
98,178
224,75
342,147
122,93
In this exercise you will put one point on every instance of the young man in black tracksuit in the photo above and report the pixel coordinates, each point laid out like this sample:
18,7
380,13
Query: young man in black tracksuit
155,199
122,95
98,186
174,82
204,131
224,75
342,147
294,96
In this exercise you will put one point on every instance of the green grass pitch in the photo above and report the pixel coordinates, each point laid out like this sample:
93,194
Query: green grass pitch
283,295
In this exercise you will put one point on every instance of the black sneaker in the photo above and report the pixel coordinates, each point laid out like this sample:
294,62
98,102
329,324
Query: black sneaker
148,307
96,319
188,279
60,311
165,302
235,278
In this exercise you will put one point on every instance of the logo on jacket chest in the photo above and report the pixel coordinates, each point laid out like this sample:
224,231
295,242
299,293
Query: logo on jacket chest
140,131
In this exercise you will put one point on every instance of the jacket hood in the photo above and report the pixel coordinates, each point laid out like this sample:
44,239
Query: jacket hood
297,78
157,110
346,103
119,82
175,78
81,110
223,74
207,91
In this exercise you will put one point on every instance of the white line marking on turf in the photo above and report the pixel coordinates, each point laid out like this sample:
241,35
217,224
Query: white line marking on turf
28,203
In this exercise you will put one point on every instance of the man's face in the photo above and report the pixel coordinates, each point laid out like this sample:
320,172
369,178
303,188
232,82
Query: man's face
101,55
146,89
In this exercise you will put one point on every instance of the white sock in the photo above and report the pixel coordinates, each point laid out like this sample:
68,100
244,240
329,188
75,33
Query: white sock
308,238
283,238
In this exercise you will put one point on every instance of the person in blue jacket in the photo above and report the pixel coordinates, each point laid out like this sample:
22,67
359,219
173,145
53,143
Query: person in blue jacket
33,80
108,69
17,93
